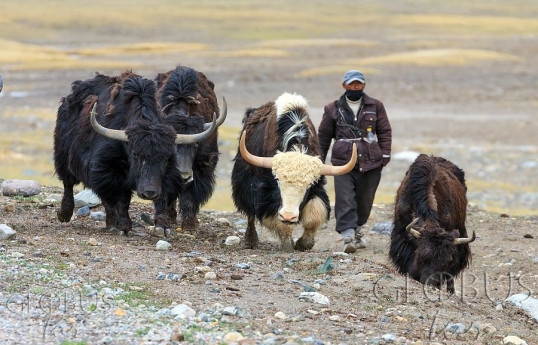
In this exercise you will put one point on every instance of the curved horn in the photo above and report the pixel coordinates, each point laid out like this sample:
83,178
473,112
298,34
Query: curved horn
331,170
409,228
107,132
222,116
194,138
464,240
262,162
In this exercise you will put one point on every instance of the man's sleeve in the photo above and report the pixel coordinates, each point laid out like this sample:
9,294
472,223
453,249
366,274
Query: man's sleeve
325,133
384,130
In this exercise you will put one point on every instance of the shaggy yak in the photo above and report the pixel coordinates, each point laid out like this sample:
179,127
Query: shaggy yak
189,104
278,177
429,240
133,150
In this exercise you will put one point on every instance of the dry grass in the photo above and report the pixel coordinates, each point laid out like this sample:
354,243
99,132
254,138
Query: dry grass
436,57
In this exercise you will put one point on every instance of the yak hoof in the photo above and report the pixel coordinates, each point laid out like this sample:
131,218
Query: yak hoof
304,244
64,217
251,244
287,246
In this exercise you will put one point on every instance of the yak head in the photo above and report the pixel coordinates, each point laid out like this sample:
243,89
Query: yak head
437,257
180,108
185,123
151,147
295,171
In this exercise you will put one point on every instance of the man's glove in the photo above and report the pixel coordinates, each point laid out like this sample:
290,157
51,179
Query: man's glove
386,160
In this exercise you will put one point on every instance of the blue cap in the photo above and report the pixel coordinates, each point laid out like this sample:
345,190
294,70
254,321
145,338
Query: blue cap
353,75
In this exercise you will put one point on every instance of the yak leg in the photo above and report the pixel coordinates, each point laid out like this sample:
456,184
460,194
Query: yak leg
124,221
251,235
163,211
284,232
111,215
189,221
68,204
314,215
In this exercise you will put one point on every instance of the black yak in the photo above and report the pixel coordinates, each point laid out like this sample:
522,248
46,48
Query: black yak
429,240
189,104
278,176
133,150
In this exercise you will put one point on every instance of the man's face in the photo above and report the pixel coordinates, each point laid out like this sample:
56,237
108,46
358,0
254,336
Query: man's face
355,85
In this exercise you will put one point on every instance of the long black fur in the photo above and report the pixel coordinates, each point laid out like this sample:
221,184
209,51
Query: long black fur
112,168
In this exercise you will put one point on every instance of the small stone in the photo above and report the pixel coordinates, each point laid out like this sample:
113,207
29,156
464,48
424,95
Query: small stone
162,245
9,207
136,288
20,187
210,276
528,236
223,223
230,311
280,315
279,275
16,255
232,241
38,254
93,242
99,215
236,277
86,197
233,337
83,211
242,266
6,232
335,318
499,307
183,311
456,328
389,338
146,218
513,340
314,297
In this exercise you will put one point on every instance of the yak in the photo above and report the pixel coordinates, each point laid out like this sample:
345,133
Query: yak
133,150
429,240
278,176
188,103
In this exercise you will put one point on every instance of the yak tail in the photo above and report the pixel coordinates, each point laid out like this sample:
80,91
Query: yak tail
143,90
421,176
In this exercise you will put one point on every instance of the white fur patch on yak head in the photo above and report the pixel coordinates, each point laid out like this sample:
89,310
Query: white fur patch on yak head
295,172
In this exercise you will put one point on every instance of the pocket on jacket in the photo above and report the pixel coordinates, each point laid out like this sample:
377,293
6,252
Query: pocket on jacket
341,152
370,119
373,152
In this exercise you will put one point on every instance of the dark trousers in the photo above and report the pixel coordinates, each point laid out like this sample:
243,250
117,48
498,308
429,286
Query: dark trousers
355,192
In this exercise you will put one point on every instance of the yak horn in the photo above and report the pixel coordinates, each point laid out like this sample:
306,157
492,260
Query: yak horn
409,228
262,162
464,240
107,132
194,138
331,170
222,116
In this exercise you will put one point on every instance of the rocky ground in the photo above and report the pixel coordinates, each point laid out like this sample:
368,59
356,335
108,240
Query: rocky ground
78,282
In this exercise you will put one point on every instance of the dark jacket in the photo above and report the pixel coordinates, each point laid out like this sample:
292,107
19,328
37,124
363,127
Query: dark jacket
338,123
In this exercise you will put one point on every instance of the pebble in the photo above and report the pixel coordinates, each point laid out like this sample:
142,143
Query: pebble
83,211
242,266
162,245
20,188
7,232
456,328
223,223
389,338
384,228
99,215
182,311
232,241
86,197
210,276
314,297
16,255
233,337
93,242
513,340
280,315
335,318
9,207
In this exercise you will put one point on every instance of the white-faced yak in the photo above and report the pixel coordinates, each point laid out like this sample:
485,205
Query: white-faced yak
278,176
